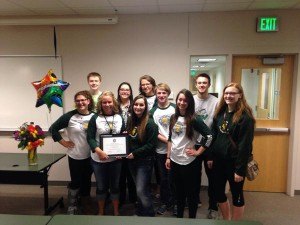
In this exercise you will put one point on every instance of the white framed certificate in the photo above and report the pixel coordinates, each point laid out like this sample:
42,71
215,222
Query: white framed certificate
114,144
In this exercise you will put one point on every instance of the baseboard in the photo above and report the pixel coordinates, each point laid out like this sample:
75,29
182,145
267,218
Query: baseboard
64,183
297,192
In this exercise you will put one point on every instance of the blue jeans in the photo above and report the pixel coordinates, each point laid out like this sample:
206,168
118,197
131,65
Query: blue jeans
107,178
141,170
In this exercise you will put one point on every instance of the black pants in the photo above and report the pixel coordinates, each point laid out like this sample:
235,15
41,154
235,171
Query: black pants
223,171
80,172
186,180
211,193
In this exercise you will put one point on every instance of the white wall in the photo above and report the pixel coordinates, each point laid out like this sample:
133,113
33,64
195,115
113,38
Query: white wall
159,45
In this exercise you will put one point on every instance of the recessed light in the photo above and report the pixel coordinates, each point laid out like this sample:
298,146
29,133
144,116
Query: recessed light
206,60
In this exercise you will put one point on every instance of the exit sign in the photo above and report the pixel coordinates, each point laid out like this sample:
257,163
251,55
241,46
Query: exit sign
267,24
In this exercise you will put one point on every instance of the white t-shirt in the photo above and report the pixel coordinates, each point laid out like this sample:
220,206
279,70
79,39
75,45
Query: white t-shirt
161,117
205,108
151,101
180,142
107,125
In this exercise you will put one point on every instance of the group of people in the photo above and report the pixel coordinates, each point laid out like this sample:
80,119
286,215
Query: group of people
174,138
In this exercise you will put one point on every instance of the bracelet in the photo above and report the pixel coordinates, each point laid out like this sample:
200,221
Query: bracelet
168,157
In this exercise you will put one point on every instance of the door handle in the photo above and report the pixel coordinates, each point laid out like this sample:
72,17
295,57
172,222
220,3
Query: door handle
272,129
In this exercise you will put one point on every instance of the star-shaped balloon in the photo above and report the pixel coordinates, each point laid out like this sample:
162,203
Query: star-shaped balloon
50,90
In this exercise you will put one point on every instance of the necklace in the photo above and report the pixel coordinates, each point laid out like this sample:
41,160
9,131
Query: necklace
110,125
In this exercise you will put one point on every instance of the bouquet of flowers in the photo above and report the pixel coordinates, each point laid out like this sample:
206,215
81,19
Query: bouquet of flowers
30,136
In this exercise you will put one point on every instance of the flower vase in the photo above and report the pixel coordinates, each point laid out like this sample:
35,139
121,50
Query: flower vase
32,157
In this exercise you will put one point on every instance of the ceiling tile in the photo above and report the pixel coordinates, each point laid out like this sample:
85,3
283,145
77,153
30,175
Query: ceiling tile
230,1
225,7
138,10
86,3
39,4
100,11
5,5
272,4
181,8
133,3
55,12
180,2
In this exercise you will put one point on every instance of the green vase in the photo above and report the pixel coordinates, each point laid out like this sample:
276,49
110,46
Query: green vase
32,157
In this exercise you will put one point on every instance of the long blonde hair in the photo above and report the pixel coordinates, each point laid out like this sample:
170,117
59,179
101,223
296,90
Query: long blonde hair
241,105
100,99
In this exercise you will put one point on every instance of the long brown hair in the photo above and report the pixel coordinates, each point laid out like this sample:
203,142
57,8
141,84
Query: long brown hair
136,122
189,113
241,105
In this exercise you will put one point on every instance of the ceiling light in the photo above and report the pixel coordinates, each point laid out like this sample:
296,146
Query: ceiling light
206,60
57,20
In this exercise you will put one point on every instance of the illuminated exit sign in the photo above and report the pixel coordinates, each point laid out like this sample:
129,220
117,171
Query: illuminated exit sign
267,24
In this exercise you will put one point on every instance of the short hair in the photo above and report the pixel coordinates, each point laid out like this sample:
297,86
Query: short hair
94,74
164,86
202,75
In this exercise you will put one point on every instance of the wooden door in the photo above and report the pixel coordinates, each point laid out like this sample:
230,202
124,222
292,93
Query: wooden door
270,147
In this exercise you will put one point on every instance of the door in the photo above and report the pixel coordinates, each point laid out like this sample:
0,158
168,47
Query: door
268,90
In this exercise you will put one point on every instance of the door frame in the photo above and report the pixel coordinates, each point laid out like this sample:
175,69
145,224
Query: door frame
294,142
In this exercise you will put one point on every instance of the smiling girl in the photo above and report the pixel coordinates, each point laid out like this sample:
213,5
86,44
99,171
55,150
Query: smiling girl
185,128
78,151
107,169
233,127
142,141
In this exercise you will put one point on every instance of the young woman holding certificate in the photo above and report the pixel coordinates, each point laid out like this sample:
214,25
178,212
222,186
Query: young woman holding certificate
107,168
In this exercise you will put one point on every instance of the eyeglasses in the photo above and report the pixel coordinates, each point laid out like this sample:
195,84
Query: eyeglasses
124,90
231,93
80,100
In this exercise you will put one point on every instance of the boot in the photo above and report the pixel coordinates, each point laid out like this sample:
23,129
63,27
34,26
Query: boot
73,202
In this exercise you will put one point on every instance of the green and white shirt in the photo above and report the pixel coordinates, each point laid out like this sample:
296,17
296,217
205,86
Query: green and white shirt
76,125
161,117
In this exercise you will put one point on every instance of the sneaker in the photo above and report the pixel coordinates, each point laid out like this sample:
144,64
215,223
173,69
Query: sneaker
212,214
73,210
175,210
199,204
161,210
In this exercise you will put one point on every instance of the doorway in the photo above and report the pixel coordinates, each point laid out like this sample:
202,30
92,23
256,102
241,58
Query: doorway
268,90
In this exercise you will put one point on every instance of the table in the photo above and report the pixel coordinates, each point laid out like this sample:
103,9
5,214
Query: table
6,219
133,220
14,169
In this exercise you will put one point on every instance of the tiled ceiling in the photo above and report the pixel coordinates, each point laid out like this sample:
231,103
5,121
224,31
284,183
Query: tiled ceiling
101,7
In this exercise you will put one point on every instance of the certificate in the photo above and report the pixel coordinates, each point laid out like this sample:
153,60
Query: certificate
114,144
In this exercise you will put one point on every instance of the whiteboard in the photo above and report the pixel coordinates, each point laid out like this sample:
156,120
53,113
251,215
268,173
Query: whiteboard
18,96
